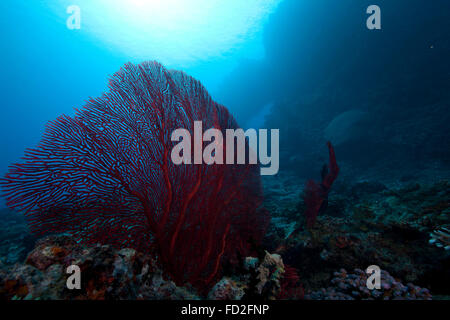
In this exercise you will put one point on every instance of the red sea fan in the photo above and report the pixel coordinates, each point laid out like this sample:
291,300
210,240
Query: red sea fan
316,194
105,175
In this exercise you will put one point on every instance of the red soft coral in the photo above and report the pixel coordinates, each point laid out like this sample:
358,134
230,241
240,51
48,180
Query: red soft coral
315,193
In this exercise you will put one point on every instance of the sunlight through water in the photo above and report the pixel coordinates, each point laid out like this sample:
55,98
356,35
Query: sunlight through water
176,32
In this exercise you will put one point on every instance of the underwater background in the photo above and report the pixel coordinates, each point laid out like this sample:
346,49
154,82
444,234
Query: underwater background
311,69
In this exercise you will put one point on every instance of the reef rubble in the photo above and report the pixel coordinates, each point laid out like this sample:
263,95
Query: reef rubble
403,229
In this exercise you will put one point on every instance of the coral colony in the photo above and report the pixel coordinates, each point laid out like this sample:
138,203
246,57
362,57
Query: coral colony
106,176
316,194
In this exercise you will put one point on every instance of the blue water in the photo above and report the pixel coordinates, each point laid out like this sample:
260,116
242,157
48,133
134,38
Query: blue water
248,55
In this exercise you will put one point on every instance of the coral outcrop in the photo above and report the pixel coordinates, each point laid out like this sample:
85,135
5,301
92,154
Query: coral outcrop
352,286
106,273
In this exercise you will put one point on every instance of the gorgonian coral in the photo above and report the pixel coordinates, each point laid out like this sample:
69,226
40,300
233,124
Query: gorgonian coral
105,175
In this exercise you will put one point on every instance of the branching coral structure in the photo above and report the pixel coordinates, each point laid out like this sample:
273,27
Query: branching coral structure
105,175
316,194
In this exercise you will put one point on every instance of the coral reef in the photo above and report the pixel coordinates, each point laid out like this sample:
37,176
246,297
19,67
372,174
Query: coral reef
261,278
105,176
106,273
366,223
352,286
227,289
270,271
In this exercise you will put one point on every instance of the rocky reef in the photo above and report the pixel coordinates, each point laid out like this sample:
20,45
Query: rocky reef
352,286
400,227
108,273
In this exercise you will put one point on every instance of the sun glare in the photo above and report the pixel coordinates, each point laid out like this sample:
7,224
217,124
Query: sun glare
173,31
